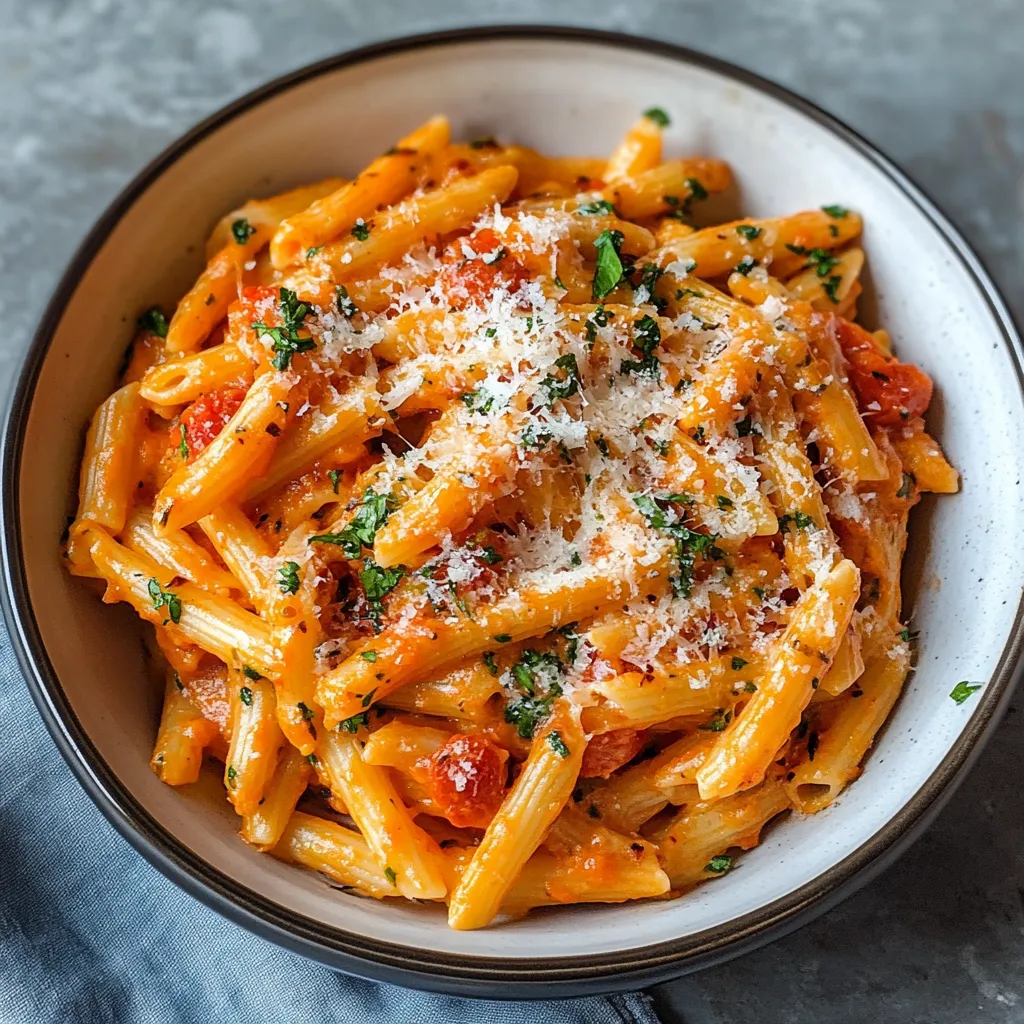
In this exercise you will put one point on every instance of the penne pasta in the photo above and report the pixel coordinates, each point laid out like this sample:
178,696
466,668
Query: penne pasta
466,511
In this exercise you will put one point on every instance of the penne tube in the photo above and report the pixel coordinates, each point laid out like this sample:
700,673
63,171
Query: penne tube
179,552
256,742
667,188
639,151
403,226
265,826
799,658
221,470
635,700
267,214
842,746
535,801
717,251
341,424
216,624
407,855
386,180
809,542
693,847
108,481
923,459
473,476
339,853
183,735
241,547
184,379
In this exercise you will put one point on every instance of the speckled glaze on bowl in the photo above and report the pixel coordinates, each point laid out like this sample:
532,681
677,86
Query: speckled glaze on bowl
963,575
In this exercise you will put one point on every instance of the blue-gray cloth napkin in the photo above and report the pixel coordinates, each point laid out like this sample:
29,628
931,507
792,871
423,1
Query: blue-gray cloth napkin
91,934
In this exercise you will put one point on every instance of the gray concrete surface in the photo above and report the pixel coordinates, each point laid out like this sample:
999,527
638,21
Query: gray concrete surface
91,89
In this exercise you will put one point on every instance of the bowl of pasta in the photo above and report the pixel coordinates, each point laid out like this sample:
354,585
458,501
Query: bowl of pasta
524,549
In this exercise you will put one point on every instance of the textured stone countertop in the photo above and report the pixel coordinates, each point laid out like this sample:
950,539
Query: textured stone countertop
92,89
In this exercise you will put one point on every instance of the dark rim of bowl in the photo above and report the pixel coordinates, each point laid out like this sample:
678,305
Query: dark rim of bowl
492,976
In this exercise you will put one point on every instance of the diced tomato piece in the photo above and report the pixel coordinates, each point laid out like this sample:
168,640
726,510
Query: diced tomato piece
889,391
466,779
475,280
608,751
204,419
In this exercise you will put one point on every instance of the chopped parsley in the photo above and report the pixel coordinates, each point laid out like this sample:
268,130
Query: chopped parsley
718,721
658,116
791,521
488,660
251,673
389,874
242,230
286,338
688,543
557,744
154,321
371,515
963,690
502,638
370,656
836,211
831,288
481,401
822,261
649,277
245,696
361,230
696,189
355,723
288,578
232,774
907,487
165,599
608,270
378,583
646,337
744,427
312,251
739,663
536,674
596,208
183,448
748,231
599,317
346,307
565,386
313,759
719,865
334,476
746,265
722,501
308,714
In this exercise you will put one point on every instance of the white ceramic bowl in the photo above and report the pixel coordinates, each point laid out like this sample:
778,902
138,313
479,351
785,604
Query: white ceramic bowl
563,91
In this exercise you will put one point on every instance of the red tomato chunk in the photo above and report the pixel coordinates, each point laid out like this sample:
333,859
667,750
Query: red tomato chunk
888,392
475,280
466,778
204,419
